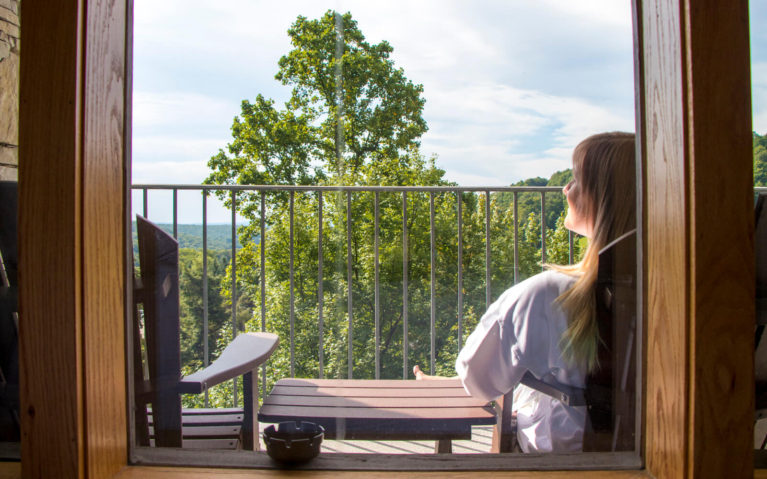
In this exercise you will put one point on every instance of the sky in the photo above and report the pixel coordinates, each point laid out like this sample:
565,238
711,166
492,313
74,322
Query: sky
511,86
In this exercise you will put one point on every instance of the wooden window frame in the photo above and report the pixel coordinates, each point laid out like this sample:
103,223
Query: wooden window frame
694,122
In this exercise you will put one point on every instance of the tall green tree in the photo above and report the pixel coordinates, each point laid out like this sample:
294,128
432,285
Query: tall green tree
353,118
349,106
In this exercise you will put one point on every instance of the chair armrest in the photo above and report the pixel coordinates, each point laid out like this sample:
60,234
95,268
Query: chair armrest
244,354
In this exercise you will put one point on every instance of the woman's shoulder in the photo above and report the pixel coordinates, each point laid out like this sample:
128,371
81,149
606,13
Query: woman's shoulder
536,293
546,282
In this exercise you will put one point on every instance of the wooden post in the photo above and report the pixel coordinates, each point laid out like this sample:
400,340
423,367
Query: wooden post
443,446
505,432
250,405
699,263
72,263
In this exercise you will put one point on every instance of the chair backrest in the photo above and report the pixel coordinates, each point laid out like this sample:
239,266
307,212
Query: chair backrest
9,340
760,253
611,388
159,294
760,345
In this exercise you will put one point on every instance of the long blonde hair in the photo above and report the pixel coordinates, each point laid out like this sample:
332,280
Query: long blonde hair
606,166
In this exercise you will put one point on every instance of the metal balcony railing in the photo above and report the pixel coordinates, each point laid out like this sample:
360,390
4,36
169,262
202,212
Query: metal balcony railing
233,194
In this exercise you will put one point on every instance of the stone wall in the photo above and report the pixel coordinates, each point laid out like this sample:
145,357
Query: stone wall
9,89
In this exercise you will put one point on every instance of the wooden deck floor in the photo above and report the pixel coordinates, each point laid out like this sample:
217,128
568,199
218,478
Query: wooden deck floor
481,438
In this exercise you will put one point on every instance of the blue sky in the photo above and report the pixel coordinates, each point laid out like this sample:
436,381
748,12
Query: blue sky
511,86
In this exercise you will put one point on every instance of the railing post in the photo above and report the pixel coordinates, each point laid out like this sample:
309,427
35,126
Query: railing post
205,348
516,238
459,197
543,229
262,280
377,287
320,288
404,286
175,213
292,297
433,311
349,299
488,297
233,195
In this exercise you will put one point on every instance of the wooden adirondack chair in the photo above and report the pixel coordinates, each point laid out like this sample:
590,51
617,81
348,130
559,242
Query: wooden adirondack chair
610,393
160,383
9,327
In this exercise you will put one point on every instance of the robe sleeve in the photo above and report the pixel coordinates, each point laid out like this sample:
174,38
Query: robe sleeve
511,338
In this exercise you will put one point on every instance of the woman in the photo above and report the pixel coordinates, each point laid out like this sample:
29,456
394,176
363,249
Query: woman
547,323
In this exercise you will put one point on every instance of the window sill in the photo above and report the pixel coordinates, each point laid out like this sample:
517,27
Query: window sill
150,472
398,463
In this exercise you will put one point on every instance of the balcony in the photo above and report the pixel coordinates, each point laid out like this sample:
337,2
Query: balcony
422,264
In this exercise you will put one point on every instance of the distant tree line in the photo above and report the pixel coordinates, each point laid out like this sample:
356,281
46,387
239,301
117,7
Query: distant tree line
219,236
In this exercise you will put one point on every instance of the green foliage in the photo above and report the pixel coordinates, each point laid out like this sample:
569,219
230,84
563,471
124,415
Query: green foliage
369,137
531,202
191,303
760,160
560,178
558,244
191,316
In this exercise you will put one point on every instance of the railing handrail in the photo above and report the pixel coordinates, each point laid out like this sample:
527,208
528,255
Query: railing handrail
445,189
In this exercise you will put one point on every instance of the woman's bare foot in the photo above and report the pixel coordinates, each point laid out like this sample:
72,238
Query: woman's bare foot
422,375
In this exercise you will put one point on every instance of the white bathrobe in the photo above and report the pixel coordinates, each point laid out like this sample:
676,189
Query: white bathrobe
521,332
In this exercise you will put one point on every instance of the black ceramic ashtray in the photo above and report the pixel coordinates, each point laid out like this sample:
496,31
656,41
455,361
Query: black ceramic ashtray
293,442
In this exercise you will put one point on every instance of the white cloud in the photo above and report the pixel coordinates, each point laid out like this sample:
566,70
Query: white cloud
182,110
170,172
176,133
504,170
604,12
469,179
484,126
510,86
